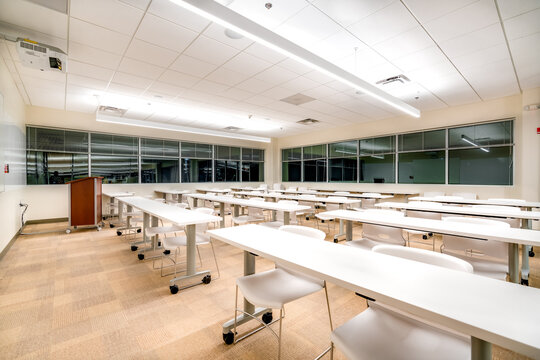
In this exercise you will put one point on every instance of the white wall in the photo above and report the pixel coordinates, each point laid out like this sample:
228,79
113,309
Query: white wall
12,125
527,148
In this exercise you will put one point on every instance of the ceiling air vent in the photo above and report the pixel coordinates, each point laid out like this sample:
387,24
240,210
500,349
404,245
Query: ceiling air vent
308,121
111,110
298,99
401,78
232,128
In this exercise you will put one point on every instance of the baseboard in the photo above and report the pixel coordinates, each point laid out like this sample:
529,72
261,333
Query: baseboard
46,221
8,246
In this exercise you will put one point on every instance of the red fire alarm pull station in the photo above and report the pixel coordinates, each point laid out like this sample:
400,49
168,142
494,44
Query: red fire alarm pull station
6,169
538,130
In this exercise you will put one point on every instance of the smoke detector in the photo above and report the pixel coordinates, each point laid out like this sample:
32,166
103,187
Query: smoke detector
111,110
401,78
308,121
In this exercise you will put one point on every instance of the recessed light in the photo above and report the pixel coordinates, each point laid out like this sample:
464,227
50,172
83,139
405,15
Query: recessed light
308,121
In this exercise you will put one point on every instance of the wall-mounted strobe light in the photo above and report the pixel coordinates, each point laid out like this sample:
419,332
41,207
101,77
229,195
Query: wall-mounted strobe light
171,127
469,140
229,19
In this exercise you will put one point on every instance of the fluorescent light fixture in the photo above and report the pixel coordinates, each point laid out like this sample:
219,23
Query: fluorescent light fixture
171,127
229,19
469,140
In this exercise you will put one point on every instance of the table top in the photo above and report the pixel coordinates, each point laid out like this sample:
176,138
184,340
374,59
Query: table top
167,212
115,194
295,197
214,190
267,205
172,191
515,213
495,311
313,192
486,232
509,202
395,192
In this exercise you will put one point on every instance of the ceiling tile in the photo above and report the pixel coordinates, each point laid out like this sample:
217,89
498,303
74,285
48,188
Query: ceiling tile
246,64
151,53
404,44
166,89
300,84
86,82
143,69
168,10
338,46
188,65
112,15
35,73
178,79
131,80
33,83
226,77
139,4
262,52
210,50
318,77
164,33
482,57
523,25
43,97
526,55
295,66
257,12
467,19
124,90
255,85
278,93
35,17
420,59
320,92
480,39
90,55
218,33
452,89
511,8
81,103
87,70
493,80
98,37
276,75
384,24
259,100
236,94
348,12
429,10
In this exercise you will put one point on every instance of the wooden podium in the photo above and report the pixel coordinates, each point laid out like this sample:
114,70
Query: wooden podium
85,202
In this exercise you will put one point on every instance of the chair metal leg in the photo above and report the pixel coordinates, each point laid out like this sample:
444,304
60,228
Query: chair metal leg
235,310
215,258
328,307
280,326
199,253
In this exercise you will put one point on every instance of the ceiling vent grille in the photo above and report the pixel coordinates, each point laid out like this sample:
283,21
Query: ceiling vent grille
298,99
401,78
308,121
111,110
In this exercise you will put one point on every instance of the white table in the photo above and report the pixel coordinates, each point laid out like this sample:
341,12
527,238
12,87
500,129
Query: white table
521,204
218,191
153,210
490,311
113,195
318,194
512,236
177,193
266,205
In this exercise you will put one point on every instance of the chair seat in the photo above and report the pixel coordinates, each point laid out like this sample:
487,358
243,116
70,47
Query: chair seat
489,268
379,333
364,243
171,243
275,288
416,232
324,217
244,219
272,224
151,231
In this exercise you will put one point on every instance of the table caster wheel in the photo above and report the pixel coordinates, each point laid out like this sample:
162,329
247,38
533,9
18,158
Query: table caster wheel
139,231
174,289
167,252
531,253
111,225
525,282
119,233
207,279
159,243
134,248
140,256
228,338
335,241
267,318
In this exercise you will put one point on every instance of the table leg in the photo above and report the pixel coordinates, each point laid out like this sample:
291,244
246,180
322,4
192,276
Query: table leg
286,218
195,202
235,211
513,262
341,206
111,208
525,224
222,212
480,349
348,233
120,212
274,215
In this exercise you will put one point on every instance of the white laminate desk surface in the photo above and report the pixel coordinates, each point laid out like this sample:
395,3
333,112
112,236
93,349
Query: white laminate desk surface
517,214
113,194
488,309
299,198
167,212
268,205
507,235
173,192
313,192
214,190
527,204
408,193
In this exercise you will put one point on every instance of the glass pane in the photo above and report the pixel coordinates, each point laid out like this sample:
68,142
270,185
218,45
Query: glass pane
201,151
478,167
225,170
116,169
314,152
341,149
101,144
76,141
188,149
258,155
408,142
481,135
421,167
291,154
55,168
195,170
235,153
377,169
49,139
343,169
159,147
315,170
125,145
170,148
159,170
435,139
247,154
291,171
252,171
379,145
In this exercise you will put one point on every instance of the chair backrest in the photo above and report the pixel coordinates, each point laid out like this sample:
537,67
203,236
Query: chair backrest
425,256
302,188
334,206
382,233
311,204
448,198
252,211
465,195
304,230
368,203
514,222
291,188
280,215
191,202
181,205
433,193
201,228
276,187
424,214
472,247
263,187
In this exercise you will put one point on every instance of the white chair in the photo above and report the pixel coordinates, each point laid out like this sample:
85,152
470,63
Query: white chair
381,332
274,288
175,243
303,200
302,188
291,188
488,258
253,215
513,222
330,207
465,195
423,215
433,193
373,235
280,216
369,203
276,187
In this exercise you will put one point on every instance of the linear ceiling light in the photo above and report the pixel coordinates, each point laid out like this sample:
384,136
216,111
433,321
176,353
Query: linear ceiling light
469,140
226,17
171,127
